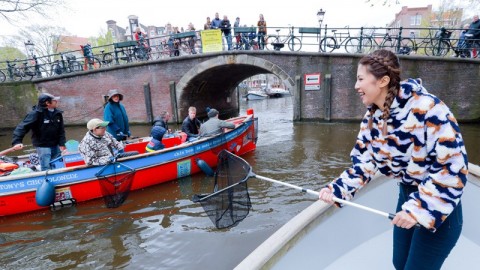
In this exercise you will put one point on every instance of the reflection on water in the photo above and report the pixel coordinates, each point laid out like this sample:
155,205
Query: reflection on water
160,228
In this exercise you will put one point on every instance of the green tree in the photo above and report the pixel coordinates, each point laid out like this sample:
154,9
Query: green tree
103,42
9,54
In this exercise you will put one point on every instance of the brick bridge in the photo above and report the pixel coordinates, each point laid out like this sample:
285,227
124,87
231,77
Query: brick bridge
204,80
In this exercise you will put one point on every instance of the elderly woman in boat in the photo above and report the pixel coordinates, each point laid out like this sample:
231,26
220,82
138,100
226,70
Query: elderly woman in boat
412,136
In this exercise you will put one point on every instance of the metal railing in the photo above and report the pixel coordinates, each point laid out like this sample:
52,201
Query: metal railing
439,42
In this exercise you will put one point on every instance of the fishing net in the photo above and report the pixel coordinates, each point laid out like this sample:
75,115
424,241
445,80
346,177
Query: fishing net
230,202
115,180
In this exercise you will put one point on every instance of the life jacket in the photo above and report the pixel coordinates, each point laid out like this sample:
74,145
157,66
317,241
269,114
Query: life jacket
6,167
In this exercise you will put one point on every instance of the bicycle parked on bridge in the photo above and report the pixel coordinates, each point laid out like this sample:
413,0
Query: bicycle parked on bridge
62,66
469,48
339,39
277,42
441,44
24,72
247,42
394,43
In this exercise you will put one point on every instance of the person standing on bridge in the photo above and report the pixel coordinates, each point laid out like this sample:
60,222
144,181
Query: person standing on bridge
216,22
412,136
262,31
48,131
208,24
191,125
116,116
227,31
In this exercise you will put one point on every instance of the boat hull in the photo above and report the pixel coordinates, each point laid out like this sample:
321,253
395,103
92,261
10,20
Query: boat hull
17,193
325,237
255,96
277,92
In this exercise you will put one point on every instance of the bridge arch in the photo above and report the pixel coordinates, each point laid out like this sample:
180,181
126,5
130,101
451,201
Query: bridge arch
214,81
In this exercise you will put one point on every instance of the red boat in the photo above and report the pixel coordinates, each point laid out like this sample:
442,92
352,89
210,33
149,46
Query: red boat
76,182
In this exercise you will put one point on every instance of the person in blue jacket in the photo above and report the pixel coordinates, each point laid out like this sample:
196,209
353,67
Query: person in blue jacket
155,143
116,115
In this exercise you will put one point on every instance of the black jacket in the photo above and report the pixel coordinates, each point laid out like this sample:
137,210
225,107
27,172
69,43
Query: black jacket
47,128
474,29
158,121
226,27
191,127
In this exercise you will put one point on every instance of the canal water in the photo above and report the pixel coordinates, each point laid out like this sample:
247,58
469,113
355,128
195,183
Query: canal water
161,228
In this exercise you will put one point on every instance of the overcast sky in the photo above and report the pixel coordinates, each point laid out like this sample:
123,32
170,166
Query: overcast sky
87,18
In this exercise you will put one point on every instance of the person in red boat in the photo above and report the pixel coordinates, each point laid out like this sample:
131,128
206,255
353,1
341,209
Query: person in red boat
48,131
191,125
412,136
98,147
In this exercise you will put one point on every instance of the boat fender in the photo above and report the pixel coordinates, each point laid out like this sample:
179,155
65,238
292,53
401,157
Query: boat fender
204,167
45,194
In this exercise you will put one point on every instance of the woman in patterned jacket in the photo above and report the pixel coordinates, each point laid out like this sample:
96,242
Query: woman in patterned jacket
98,147
410,135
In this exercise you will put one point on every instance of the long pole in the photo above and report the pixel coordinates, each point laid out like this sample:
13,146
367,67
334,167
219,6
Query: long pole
314,193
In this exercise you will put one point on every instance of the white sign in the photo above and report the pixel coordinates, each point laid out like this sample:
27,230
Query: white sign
312,81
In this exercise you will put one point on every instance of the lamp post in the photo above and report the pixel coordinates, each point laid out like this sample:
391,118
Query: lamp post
29,47
320,15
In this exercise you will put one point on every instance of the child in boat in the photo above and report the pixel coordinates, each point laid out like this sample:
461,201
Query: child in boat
156,142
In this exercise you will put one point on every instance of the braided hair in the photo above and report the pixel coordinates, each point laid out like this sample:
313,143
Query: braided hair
382,63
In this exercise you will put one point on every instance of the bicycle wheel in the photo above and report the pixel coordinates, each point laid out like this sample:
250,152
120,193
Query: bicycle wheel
56,70
328,44
28,73
18,75
388,44
406,46
269,43
439,48
353,46
108,59
295,44
140,53
123,57
3,77
75,66
93,63
367,45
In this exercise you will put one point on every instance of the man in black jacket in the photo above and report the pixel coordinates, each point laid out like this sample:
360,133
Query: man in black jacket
474,29
227,31
48,131
191,125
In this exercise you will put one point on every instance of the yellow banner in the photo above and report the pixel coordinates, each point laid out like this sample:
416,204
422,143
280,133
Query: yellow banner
211,40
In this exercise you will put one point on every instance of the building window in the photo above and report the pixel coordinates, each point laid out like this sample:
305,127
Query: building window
416,19
113,32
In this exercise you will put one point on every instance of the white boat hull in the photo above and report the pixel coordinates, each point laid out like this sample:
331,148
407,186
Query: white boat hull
255,96
277,92
324,237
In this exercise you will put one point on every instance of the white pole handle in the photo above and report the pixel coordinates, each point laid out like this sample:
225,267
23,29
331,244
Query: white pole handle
315,193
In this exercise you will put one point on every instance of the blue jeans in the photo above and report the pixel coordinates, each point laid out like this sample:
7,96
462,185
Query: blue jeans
229,41
419,248
46,154
261,41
